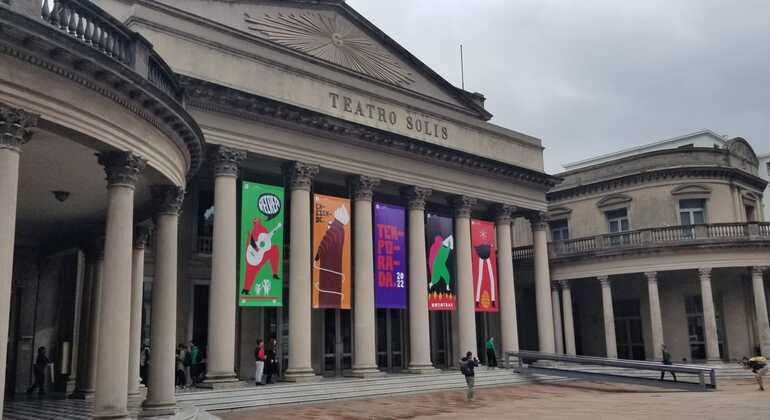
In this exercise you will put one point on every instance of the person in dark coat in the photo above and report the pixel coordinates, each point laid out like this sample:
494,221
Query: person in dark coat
467,364
41,363
666,361
271,362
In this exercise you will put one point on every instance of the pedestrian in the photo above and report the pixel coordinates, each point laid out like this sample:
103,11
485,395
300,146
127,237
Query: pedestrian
467,364
259,356
144,362
491,353
181,380
666,361
271,364
41,363
195,363
758,365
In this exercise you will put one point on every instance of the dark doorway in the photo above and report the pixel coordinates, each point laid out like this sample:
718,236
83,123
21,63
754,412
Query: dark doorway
337,342
390,339
628,329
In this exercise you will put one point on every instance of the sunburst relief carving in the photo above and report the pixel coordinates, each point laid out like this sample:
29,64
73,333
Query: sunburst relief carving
331,39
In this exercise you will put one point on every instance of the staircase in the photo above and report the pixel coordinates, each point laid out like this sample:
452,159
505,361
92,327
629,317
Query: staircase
346,388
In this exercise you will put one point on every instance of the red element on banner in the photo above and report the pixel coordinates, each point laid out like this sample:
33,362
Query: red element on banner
483,258
442,301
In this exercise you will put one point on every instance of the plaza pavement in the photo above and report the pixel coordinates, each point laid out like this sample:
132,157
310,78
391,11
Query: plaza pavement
735,400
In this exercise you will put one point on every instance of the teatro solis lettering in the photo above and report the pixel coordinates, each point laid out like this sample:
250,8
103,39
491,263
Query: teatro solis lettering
377,113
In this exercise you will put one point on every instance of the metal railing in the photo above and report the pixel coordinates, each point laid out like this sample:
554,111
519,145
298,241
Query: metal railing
525,359
641,238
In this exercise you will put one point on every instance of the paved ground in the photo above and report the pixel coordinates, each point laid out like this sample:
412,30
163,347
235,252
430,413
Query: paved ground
736,400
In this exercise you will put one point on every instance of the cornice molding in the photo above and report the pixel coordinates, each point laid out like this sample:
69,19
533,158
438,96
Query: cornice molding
214,98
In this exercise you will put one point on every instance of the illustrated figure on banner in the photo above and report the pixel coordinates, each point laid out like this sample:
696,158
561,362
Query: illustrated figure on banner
328,260
439,254
483,251
259,251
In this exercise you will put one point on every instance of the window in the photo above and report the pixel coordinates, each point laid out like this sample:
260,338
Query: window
205,214
768,168
750,216
618,220
559,230
691,212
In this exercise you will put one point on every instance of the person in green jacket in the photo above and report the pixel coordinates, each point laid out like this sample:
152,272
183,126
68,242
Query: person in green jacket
491,353
195,362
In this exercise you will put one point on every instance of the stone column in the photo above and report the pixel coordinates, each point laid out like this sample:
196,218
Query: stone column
300,177
87,375
111,398
656,319
364,327
508,325
419,324
709,315
15,129
466,311
220,357
545,333
141,236
556,305
760,305
167,203
609,318
569,322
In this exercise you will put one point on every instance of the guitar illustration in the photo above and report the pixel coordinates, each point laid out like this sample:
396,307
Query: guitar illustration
256,250
259,251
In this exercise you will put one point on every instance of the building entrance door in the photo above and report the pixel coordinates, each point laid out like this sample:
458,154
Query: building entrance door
628,329
390,339
441,339
337,342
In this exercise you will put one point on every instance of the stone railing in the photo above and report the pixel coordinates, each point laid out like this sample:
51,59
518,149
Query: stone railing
654,237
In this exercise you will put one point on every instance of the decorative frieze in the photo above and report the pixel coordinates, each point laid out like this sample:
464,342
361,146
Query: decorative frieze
167,199
462,204
416,197
226,160
15,127
300,175
122,168
362,187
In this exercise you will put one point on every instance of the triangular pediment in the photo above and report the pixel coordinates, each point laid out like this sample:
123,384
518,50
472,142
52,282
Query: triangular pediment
331,31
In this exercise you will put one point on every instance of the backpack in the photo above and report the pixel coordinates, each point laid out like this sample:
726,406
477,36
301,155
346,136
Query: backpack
464,369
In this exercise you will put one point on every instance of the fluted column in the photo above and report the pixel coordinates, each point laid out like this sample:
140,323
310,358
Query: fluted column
508,325
167,203
300,177
760,306
141,236
419,324
364,328
656,319
545,333
220,358
15,129
466,312
609,318
569,322
709,315
556,305
111,398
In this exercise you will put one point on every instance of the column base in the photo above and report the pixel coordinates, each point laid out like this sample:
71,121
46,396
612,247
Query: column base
421,369
158,409
83,394
140,392
220,381
301,375
112,415
366,372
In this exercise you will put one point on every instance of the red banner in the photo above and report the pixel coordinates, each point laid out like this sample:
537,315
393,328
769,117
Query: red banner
484,260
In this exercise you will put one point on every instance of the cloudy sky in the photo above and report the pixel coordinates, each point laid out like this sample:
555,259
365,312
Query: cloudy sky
590,77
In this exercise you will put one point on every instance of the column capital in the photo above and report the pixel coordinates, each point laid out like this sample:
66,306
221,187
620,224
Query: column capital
555,285
462,204
759,270
15,127
503,213
564,284
167,199
538,220
142,236
652,276
226,160
362,187
122,168
416,196
704,273
300,175
604,280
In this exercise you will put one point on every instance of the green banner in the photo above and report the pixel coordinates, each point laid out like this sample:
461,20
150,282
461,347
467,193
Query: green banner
261,245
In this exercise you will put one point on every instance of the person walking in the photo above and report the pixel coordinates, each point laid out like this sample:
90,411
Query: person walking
181,379
144,363
758,365
271,364
666,361
194,363
467,364
41,363
259,355
491,353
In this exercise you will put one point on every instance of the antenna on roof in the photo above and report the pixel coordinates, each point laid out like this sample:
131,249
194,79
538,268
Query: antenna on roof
462,69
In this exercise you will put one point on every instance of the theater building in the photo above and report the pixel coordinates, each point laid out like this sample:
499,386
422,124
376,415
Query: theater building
664,243
273,169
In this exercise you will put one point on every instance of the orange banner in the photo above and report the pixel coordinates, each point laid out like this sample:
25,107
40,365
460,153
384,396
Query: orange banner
331,252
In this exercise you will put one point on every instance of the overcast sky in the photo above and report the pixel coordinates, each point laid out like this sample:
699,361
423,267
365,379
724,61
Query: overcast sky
590,77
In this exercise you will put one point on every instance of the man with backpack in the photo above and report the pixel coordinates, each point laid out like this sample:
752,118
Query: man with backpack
467,364
758,365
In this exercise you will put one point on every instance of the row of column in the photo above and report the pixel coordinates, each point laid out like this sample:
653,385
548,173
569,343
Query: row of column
656,319
222,305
